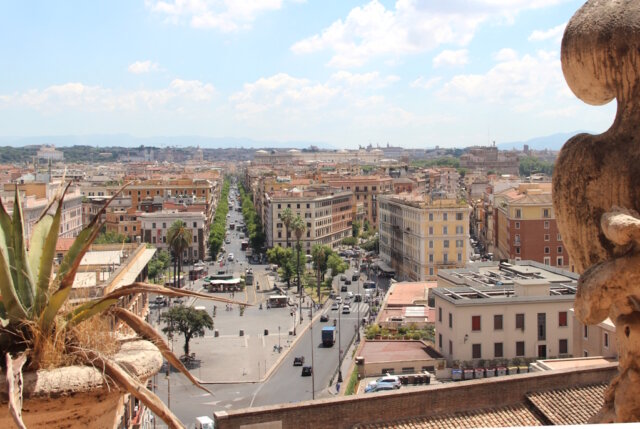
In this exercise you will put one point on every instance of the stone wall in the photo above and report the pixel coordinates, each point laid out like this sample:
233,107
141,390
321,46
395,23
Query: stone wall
345,412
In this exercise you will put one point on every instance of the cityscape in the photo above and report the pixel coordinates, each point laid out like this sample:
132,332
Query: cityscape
328,254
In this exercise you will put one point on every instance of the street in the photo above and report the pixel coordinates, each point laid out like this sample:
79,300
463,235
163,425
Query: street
232,366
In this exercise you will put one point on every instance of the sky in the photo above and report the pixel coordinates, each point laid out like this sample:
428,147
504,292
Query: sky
410,73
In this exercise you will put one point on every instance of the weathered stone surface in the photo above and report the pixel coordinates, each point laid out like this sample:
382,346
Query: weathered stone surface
80,396
596,185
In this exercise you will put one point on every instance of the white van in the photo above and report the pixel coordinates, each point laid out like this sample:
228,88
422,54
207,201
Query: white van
204,422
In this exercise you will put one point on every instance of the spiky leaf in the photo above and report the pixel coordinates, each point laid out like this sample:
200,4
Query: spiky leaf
20,270
148,332
133,386
12,304
14,387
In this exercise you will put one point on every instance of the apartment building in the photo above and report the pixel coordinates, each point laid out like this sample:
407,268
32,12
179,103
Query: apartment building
490,159
366,190
35,197
166,188
125,222
155,226
420,235
327,212
503,311
594,340
525,225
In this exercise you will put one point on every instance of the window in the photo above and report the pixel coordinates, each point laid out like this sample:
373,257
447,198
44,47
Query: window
446,244
388,371
439,314
430,216
547,237
164,225
430,244
430,271
585,332
497,322
517,225
546,213
125,229
606,340
408,370
475,323
559,237
517,238
585,353
459,257
476,350
518,213
559,249
450,348
430,257
519,348
458,216
153,225
546,250
195,224
546,224
445,230
542,326
517,250
497,350
520,321
445,258
459,244
430,230
546,260
444,216
450,320
559,261
563,347
440,341
562,318
459,229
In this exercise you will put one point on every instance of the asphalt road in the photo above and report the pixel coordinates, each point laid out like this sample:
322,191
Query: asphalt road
285,383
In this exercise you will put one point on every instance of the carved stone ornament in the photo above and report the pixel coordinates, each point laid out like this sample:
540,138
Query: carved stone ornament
596,187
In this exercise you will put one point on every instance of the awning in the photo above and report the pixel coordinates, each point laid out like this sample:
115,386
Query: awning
385,268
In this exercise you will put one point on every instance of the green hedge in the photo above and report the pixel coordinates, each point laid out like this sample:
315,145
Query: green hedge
251,220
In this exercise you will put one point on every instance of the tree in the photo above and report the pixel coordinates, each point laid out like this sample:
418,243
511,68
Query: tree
349,241
287,218
319,255
336,264
111,237
186,321
298,227
283,258
179,238
367,225
355,228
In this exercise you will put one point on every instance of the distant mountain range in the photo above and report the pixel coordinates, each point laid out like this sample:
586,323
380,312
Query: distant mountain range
552,142
126,140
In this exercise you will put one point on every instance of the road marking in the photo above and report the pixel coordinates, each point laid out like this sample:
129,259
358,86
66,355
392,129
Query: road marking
253,398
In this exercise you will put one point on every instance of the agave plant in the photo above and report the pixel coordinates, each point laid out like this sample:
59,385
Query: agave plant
34,307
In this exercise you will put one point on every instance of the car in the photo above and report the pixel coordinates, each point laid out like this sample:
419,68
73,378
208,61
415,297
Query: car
357,298
355,276
343,277
335,306
228,241
346,309
298,361
347,282
230,257
386,382
178,300
349,294
343,288
159,299
325,317
339,299
306,371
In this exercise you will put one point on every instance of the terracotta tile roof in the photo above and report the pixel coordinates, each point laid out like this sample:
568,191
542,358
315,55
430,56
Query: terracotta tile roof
570,406
518,415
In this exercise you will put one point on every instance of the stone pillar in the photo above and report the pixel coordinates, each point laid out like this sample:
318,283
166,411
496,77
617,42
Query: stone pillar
596,187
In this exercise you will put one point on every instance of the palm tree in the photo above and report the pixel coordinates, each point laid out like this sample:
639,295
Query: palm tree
287,217
179,238
299,227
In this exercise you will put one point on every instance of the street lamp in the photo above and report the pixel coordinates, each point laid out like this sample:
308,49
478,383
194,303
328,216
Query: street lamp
279,339
359,274
339,346
313,371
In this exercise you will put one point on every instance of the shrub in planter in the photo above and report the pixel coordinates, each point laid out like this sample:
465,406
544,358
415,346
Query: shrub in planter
41,330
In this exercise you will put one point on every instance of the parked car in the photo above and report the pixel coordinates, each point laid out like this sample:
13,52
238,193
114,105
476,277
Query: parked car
325,317
386,382
228,241
343,277
346,309
306,371
298,361
343,288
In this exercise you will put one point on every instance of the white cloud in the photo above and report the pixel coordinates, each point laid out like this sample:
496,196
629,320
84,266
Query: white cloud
554,34
223,15
513,78
370,80
426,83
76,95
140,67
451,58
412,26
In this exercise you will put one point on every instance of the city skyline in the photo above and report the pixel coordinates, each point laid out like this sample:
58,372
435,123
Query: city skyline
413,74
